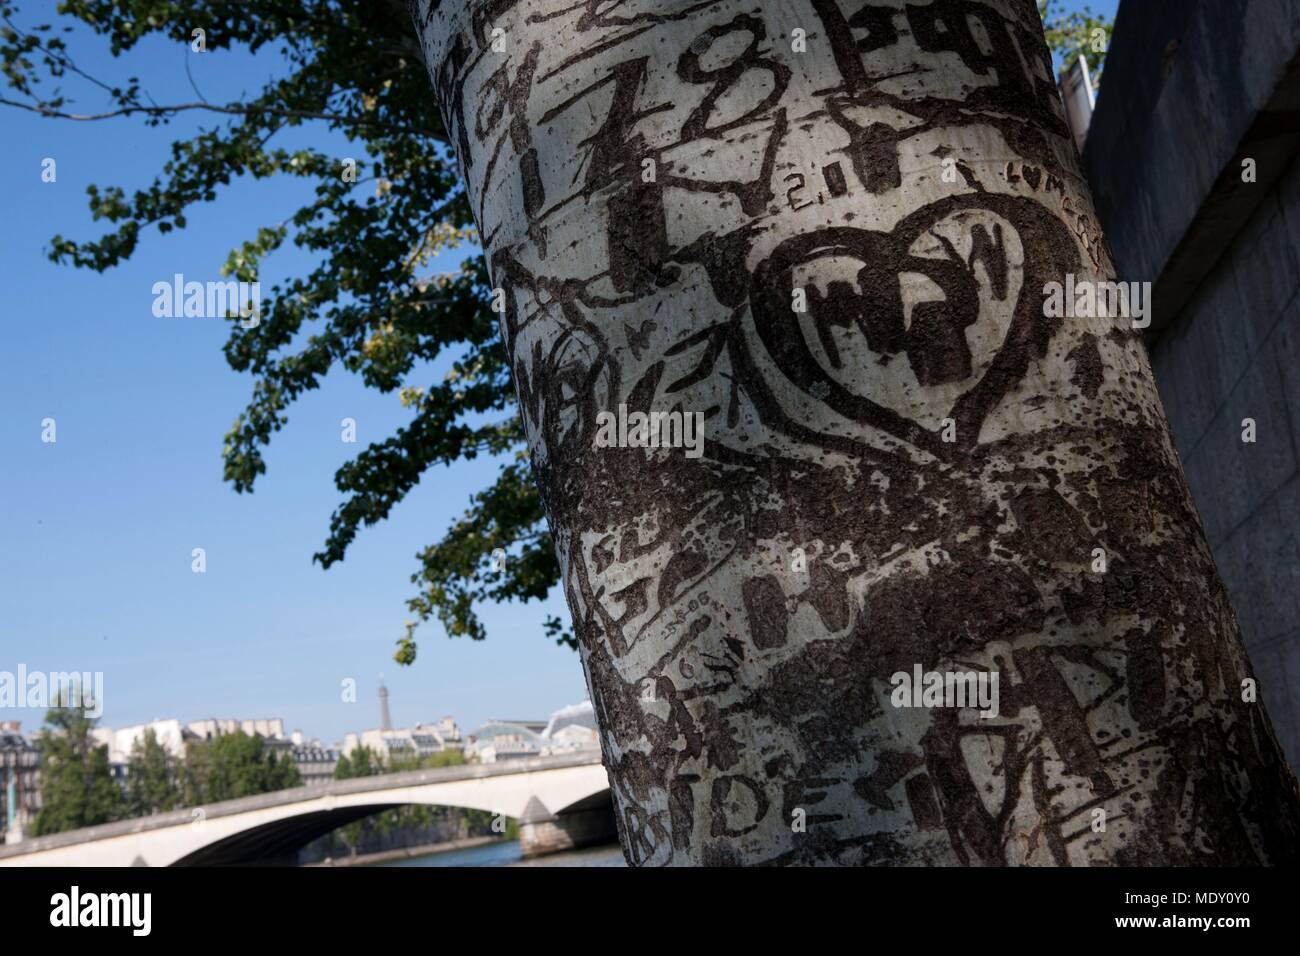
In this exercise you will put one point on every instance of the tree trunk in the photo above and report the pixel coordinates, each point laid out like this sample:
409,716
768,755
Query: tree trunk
829,228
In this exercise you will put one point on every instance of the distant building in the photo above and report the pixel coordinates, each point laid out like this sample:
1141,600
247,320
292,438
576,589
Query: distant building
281,747
570,729
209,729
175,737
315,763
404,744
20,793
408,743
1080,99
169,733
450,734
506,740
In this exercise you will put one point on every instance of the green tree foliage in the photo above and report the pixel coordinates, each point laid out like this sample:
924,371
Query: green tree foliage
441,758
372,307
152,777
1076,33
77,788
361,762
234,765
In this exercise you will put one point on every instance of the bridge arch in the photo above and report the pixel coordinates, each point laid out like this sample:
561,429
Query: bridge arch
547,794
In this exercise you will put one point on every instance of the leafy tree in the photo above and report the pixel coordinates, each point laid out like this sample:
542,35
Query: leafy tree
361,762
372,305
351,68
1076,33
77,787
440,758
235,765
152,785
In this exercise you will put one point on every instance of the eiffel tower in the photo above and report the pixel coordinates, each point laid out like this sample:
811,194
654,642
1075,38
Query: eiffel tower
385,719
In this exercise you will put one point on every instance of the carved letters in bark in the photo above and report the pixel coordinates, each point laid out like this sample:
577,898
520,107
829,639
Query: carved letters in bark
657,181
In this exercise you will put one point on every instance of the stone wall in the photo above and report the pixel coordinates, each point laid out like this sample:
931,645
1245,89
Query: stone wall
1234,354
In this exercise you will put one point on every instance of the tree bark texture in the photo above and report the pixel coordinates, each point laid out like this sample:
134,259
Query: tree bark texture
918,468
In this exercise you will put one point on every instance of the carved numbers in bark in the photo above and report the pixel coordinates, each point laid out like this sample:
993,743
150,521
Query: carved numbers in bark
657,182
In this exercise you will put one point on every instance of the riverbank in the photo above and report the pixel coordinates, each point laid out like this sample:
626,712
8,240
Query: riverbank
406,853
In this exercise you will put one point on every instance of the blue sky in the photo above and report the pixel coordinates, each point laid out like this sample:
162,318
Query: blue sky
97,529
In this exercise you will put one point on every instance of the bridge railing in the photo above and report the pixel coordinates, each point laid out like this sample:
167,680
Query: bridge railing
275,798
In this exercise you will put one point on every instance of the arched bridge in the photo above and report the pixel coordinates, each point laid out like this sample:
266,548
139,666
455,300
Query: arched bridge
560,802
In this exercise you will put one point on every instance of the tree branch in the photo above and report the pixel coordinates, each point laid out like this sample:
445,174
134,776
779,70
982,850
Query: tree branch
240,110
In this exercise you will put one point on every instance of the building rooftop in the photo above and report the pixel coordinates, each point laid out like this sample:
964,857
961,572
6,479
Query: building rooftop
579,715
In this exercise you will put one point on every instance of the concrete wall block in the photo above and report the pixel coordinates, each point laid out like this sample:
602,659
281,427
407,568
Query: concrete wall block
1285,344
1288,189
1271,461
1267,267
1212,76
1260,564
1220,67
1273,27
1285,572
1187,365
1216,475
1221,305
1230,478
1277,668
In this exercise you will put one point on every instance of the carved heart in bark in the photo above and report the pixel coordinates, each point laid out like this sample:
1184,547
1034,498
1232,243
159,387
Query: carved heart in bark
951,350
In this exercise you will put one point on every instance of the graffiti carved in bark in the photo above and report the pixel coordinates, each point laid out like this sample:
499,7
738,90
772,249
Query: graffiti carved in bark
827,226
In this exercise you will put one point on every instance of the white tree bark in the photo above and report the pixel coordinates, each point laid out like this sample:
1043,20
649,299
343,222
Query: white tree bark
827,225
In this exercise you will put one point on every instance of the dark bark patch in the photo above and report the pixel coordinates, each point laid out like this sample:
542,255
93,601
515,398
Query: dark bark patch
766,611
1145,677
1050,527
1088,370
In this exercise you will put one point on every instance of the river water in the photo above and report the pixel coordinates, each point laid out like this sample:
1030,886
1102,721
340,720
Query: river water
506,853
